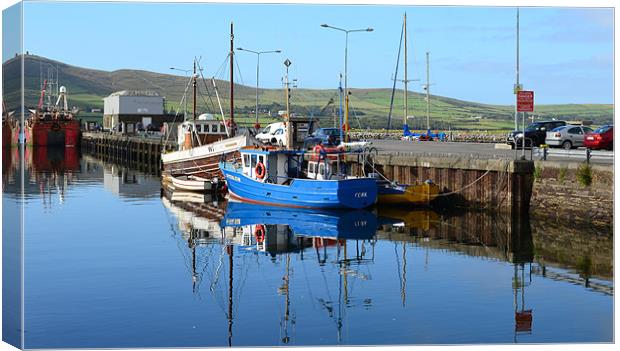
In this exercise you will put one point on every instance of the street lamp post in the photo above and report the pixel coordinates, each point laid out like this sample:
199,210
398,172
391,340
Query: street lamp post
185,98
258,53
346,86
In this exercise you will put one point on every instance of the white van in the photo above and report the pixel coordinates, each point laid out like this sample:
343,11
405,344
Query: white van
275,134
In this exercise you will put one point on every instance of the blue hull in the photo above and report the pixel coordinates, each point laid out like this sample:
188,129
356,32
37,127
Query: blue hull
303,193
337,224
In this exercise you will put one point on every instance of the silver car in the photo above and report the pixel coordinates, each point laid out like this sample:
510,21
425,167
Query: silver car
567,137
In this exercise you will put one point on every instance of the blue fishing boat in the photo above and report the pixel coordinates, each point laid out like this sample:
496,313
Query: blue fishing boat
272,176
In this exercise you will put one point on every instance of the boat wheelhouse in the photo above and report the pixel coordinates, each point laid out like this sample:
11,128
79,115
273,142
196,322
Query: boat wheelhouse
202,144
275,176
205,130
329,163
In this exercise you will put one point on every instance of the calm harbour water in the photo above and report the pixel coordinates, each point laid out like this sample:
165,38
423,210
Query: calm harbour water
114,260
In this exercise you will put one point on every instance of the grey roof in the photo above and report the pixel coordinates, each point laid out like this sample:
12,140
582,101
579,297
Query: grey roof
135,93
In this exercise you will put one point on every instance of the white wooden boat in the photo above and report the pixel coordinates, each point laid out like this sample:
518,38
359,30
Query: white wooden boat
191,183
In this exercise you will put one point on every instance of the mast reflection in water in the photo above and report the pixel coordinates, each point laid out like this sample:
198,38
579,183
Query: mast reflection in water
121,262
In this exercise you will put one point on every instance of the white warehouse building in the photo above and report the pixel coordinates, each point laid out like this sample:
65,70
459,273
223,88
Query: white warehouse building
131,108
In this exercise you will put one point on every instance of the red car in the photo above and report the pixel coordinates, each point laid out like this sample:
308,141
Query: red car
602,138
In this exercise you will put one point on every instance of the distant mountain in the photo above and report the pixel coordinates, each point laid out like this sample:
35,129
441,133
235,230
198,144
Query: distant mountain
369,107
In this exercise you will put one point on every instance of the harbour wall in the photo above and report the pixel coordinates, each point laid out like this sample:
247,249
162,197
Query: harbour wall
542,188
560,194
492,184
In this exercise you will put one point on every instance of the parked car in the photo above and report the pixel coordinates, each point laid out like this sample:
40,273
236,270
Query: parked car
329,136
601,138
275,133
567,137
535,133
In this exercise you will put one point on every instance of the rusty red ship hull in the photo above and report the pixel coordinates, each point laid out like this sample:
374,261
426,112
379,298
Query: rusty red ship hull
53,133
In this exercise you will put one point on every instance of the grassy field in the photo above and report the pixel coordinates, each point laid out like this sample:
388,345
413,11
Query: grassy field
369,107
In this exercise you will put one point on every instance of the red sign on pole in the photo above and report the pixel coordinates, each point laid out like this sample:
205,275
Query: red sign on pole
525,101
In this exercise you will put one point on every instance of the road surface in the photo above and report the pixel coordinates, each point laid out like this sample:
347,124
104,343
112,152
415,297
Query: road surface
486,150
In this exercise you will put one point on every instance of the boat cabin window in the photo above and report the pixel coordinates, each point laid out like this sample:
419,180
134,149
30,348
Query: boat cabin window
214,128
311,168
246,160
198,128
261,159
322,169
253,161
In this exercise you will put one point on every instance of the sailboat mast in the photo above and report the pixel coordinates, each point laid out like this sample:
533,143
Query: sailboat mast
406,81
400,44
428,93
232,85
517,87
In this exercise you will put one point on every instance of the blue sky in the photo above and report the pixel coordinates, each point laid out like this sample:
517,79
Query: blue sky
566,53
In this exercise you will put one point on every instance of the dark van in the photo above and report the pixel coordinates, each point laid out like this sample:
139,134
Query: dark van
535,133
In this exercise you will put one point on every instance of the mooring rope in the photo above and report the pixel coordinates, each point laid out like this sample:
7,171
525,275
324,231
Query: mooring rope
466,186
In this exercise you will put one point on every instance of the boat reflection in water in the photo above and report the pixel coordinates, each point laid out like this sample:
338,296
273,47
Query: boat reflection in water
344,239
48,172
276,227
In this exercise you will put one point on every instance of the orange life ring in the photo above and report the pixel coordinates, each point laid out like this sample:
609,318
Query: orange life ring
259,233
260,170
319,150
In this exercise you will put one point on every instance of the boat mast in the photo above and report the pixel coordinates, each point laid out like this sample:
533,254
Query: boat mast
405,81
400,44
194,92
517,86
340,95
232,81
428,94
289,126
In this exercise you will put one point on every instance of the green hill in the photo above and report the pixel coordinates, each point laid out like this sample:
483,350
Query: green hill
369,107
